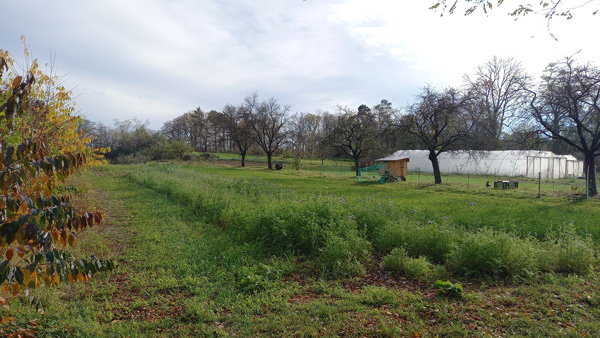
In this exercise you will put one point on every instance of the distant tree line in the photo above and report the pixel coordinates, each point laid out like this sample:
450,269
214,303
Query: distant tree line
498,107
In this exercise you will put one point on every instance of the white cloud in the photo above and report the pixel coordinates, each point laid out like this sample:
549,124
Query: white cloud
157,59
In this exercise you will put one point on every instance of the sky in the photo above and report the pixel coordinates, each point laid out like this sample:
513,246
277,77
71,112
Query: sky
157,59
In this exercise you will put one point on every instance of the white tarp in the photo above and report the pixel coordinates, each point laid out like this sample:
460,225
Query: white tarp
526,163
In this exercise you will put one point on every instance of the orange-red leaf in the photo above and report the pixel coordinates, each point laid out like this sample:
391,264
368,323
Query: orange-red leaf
16,288
71,240
71,278
9,254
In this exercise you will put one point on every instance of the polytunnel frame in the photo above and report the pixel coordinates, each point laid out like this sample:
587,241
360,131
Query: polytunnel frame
547,171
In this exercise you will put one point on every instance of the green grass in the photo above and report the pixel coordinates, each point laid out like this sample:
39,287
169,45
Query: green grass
292,212
516,210
202,252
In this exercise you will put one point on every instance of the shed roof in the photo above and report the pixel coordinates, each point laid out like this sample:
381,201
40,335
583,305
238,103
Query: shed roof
393,158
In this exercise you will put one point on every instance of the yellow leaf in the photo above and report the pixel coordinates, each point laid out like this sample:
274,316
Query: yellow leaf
56,278
34,276
20,237
26,276
16,82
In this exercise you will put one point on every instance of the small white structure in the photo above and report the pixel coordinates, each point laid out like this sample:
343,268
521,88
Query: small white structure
526,163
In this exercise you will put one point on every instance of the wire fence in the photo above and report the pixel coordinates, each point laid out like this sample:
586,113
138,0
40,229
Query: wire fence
573,185
344,168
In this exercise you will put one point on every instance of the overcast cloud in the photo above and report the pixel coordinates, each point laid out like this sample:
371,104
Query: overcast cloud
157,59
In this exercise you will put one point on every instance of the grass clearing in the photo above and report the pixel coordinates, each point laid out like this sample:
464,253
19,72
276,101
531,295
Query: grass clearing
205,251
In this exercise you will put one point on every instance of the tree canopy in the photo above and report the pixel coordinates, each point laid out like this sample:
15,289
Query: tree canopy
567,106
439,121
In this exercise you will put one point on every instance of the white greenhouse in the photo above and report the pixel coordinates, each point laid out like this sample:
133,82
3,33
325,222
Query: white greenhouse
526,163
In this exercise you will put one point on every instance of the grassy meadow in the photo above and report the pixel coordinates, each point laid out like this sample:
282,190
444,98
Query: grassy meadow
211,249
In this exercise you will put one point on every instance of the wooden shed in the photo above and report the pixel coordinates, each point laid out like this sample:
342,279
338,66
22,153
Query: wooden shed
394,166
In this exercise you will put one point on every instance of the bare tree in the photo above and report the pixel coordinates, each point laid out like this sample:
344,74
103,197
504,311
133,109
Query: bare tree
268,123
567,106
176,129
304,132
238,123
197,129
498,98
387,139
323,147
354,133
190,127
218,135
439,121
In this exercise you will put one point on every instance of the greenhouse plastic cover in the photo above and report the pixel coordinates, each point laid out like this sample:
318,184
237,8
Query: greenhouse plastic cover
526,163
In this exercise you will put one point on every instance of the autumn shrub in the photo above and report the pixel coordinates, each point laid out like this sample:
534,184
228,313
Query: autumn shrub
495,254
40,146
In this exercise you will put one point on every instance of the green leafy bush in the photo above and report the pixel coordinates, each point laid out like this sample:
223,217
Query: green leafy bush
344,256
249,279
431,240
379,296
371,215
317,227
400,264
495,254
567,252
446,288
300,226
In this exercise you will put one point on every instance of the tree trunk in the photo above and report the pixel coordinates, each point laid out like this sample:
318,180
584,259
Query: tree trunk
269,161
243,159
436,167
356,165
589,165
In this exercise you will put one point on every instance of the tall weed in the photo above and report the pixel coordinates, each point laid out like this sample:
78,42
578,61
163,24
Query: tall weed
567,252
495,254
400,264
316,226
435,241
344,254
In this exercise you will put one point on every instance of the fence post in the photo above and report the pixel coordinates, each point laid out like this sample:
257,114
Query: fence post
539,183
